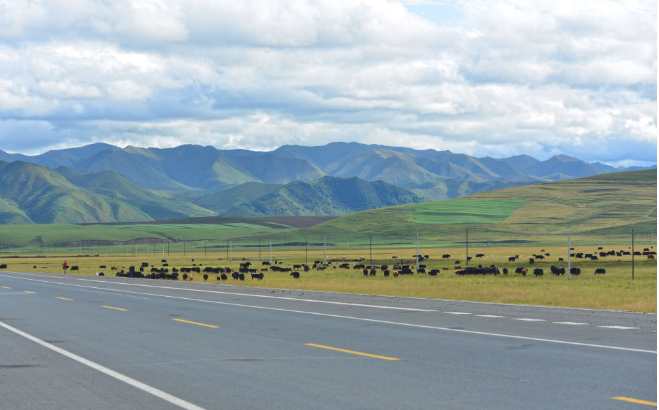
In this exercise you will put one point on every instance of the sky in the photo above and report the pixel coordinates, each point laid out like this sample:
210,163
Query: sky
482,77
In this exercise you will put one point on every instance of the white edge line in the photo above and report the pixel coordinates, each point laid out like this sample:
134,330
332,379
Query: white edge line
137,384
475,332
489,316
528,319
354,294
246,294
571,323
457,313
621,327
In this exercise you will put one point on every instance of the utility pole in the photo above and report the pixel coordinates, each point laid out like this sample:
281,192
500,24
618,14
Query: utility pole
259,249
632,254
568,255
231,251
324,250
417,252
467,256
370,250
271,252
306,251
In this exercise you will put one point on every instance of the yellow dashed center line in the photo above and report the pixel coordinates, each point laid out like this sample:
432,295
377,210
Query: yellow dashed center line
57,297
6,287
115,308
352,352
637,401
195,323
27,291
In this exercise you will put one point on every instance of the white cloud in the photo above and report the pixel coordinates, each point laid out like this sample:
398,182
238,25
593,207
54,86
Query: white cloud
545,77
126,90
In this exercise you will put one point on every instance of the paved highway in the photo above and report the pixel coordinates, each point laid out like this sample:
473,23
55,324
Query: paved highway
80,342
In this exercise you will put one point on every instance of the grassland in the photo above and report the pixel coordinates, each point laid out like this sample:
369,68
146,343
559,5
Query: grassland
615,290
602,208
599,211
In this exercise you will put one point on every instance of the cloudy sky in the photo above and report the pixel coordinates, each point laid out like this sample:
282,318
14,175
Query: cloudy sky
577,77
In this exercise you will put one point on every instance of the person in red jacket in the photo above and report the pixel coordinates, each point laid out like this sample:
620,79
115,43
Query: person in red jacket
65,267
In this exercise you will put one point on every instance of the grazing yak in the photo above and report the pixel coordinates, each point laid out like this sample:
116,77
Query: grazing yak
258,276
295,275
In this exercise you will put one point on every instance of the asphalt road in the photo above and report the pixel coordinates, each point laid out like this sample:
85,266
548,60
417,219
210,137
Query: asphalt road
80,342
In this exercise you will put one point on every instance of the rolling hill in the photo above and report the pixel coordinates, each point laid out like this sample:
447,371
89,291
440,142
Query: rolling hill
326,196
44,196
592,207
113,185
223,201
452,188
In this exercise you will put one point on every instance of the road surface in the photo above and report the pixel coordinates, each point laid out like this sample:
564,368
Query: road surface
81,342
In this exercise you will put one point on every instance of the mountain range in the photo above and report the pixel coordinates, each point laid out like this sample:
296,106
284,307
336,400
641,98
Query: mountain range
31,193
105,183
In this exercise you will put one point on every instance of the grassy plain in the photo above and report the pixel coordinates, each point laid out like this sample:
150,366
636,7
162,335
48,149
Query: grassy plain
597,209
614,290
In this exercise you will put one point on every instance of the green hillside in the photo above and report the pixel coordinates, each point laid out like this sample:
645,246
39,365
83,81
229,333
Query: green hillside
601,206
326,196
223,201
451,188
113,185
12,214
47,197
137,168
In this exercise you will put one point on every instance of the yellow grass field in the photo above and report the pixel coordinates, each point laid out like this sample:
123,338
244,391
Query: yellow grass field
614,290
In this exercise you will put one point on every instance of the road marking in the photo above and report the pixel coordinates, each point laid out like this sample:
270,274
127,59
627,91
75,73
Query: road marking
195,323
151,390
27,291
525,319
571,323
6,287
619,327
247,294
351,352
115,308
70,277
58,297
489,316
637,401
457,313
446,329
